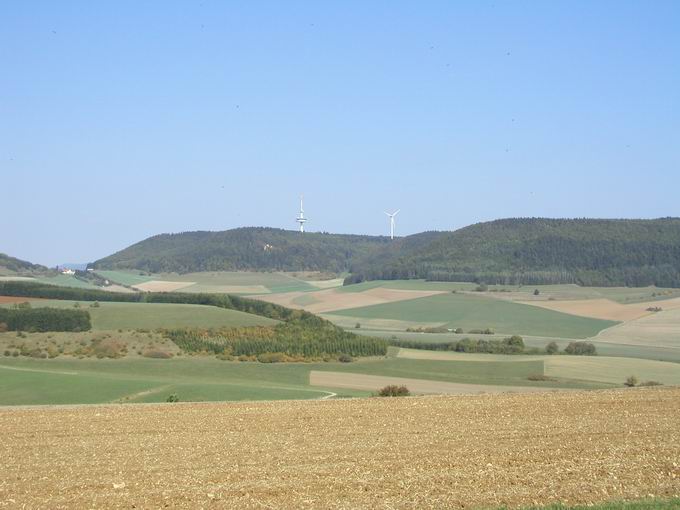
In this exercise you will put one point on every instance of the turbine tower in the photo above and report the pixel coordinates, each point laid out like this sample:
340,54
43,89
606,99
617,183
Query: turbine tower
301,217
392,215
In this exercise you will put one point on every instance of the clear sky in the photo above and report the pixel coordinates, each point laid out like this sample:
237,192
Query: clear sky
120,120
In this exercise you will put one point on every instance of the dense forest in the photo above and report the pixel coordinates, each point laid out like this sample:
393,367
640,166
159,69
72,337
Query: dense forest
542,251
528,251
243,249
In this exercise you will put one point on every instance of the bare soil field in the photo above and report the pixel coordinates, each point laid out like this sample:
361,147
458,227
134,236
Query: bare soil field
162,286
605,308
415,386
330,299
420,452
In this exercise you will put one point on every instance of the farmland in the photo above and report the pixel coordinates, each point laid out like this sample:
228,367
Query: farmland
470,312
114,315
447,452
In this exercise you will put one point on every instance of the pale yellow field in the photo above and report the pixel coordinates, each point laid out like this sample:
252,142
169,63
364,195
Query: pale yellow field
660,329
475,451
612,370
415,386
602,369
605,308
330,299
162,286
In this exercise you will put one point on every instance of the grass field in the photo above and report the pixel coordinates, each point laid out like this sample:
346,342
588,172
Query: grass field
113,315
65,280
478,312
56,381
474,452
124,277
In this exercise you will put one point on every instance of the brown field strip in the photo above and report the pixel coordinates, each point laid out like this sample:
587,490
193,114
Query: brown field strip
605,308
419,452
330,300
415,386
12,299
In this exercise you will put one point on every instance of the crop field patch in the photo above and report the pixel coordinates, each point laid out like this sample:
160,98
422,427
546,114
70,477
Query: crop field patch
469,311
606,309
473,451
332,300
660,329
416,386
119,315
612,370
162,286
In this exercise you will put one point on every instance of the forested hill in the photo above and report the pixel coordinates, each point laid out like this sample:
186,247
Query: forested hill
543,251
511,251
12,265
244,249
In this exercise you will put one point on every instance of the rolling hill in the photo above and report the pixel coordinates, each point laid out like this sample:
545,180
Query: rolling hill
11,265
528,251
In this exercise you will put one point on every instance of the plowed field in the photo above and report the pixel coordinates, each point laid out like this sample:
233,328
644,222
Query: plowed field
420,452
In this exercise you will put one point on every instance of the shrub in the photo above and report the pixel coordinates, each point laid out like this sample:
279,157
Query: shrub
654,309
357,325
482,287
393,390
650,383
552,348
581,349
536,292
272,357
95,304
157,354
15,354
458,331
7,353
172,398
631,381
3,327
345,358
540,377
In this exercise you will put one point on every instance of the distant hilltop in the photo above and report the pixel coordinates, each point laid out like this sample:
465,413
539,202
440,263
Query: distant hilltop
530,251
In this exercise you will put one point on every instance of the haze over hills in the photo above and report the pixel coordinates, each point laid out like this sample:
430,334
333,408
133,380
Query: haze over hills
512,251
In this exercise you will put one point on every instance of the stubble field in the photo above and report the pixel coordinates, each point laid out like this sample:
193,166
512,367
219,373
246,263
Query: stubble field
436,452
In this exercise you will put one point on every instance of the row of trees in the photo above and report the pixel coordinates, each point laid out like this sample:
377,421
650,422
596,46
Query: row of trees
44,319
510,345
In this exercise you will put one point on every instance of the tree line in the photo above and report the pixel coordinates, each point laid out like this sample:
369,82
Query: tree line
44,319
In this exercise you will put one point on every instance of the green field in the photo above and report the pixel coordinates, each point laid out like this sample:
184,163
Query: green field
65,280
478,312
68,381
652,504
113,315
124,277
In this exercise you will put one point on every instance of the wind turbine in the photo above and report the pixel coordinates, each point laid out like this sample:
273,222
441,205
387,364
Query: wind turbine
392,215
301,217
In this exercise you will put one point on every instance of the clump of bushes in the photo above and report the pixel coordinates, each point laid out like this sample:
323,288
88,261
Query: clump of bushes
394,390
157,354
552,348
631,381
540,377
345,358
487,331
651,383
172,398
654,309
581,349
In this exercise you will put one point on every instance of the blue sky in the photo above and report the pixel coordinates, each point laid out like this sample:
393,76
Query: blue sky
125,119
